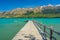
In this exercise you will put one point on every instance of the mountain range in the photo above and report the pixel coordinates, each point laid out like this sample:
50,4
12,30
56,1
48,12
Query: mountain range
50,9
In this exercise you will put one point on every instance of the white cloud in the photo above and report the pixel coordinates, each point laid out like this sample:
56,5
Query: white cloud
57,5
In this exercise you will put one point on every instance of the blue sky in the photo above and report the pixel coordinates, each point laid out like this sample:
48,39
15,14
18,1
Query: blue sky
11,4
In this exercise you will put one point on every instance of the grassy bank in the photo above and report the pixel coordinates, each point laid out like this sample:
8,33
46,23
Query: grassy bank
32,15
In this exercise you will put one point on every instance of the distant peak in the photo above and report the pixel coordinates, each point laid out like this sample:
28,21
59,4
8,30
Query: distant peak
50,5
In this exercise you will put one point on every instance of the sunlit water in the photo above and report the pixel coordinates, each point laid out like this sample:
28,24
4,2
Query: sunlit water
10,26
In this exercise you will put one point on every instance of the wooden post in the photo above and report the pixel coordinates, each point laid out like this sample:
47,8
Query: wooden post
45,31
51,33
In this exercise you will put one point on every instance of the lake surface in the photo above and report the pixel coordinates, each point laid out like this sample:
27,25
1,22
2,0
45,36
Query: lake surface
10,26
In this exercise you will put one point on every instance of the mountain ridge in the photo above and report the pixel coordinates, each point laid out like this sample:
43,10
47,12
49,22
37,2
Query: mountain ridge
27,11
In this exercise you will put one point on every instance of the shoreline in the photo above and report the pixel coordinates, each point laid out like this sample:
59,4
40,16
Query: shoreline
31,17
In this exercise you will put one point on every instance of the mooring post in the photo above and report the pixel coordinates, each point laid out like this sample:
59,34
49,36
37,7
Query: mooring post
51,32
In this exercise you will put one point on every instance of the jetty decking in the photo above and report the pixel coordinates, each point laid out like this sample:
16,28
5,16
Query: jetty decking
28,32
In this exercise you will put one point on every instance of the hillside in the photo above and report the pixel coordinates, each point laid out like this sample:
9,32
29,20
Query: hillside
41,11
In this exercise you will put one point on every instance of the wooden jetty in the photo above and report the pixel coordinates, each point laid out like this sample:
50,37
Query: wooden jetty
28,32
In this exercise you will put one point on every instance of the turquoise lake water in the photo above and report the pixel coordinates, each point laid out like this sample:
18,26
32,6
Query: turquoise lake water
10,26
